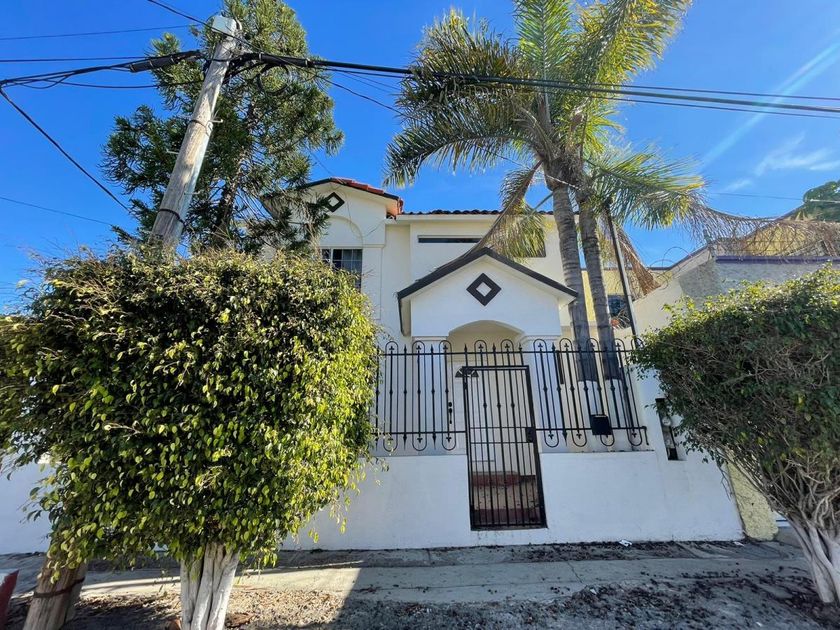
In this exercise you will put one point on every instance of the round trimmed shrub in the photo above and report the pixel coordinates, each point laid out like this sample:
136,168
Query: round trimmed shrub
211,404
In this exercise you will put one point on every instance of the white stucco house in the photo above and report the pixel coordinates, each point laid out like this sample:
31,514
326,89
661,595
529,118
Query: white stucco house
492,426
490,430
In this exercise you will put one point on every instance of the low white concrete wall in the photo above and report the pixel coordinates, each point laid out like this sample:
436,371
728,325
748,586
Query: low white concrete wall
589,497
17,535
422,501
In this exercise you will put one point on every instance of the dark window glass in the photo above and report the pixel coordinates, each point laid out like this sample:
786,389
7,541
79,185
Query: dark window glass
619,313
346,260
448,239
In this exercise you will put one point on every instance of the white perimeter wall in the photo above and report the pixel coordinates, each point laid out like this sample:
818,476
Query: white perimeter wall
17,535
422,501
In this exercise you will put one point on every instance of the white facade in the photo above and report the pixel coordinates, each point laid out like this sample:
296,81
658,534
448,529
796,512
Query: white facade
452,447
417,272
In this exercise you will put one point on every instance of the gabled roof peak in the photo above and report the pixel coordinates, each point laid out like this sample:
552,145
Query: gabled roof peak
352,183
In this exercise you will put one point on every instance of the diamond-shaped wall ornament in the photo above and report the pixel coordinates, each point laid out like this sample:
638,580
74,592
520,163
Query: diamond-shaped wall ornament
333,202
483,289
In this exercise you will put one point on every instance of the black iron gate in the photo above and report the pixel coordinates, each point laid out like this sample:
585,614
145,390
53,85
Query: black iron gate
505,484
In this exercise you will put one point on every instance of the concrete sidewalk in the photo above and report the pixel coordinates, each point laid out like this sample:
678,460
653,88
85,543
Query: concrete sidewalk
533,573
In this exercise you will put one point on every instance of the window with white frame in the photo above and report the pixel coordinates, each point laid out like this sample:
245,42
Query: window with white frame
346,260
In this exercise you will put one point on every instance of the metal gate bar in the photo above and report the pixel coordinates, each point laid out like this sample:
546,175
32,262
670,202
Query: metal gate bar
505,484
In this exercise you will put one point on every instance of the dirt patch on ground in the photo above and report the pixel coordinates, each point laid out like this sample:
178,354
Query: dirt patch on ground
770,602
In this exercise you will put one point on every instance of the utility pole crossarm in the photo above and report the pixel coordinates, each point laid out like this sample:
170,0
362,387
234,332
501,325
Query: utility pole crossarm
169,222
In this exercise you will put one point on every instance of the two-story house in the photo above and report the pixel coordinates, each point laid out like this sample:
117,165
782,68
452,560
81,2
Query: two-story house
494,426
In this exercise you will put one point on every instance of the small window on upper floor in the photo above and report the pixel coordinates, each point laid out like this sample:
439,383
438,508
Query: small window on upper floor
346,260
448,239
531,250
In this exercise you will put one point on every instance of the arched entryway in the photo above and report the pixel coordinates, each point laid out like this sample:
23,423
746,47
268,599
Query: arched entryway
497,412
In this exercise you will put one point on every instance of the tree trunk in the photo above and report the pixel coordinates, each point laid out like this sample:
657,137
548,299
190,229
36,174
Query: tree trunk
822,551
597,288
220,235
206,584
54,603
564,218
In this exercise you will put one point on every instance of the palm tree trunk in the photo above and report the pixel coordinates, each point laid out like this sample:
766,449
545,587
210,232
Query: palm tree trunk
564,218
597,288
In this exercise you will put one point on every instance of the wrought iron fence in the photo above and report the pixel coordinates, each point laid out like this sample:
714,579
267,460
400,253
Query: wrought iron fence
581,399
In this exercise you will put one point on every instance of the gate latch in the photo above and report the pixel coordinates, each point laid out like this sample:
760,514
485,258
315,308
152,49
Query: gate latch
530,434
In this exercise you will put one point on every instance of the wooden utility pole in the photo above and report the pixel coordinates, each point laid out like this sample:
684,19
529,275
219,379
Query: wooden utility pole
169,222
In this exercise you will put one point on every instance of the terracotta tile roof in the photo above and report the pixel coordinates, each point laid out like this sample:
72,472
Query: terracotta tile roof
441,211
352,183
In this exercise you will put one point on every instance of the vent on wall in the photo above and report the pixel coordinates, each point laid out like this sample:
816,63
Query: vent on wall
448,239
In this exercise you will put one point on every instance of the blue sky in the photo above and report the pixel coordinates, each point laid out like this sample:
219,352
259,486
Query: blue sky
750,45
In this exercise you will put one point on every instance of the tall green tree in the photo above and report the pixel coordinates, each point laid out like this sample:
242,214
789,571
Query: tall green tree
268,122
549,129
821,203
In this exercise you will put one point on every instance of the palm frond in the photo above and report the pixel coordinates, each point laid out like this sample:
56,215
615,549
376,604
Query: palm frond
518,231
454,121
544,30
643,188
615,40
452,137
734,235
641,278
620,38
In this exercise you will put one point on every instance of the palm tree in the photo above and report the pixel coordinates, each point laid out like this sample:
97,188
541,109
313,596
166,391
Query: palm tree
640,188
541,113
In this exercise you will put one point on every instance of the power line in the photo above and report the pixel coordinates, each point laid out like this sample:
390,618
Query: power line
563,86
662,88
61,149
779,197
206,23
136,65
172,9
62,59
103,86
55,211
93,33
662,100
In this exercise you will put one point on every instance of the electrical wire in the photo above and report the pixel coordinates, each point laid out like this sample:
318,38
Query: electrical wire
824,112
56,76
93,33
655,87
62,59
62,150
707,102
756,196
172,9
55,211
103,86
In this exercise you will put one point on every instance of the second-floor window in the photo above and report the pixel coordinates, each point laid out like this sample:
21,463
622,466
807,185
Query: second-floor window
346,260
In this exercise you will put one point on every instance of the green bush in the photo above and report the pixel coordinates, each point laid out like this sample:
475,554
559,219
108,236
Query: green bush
755,377
214,400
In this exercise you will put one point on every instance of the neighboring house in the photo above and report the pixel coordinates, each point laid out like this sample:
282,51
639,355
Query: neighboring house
716,269
494,429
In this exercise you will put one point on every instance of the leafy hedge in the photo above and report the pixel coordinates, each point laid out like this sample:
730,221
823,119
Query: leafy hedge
755,377
214,399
